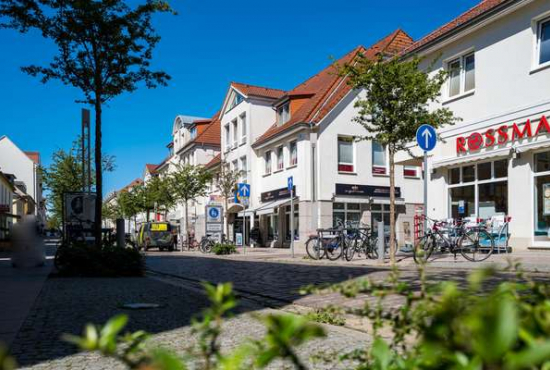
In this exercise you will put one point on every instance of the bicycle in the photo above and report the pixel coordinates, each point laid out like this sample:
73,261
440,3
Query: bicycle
474,243
364,242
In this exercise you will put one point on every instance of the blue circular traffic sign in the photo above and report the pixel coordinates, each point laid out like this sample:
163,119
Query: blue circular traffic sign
426,137
214,213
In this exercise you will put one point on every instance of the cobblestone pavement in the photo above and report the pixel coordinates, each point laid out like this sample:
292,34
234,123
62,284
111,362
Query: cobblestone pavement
65,305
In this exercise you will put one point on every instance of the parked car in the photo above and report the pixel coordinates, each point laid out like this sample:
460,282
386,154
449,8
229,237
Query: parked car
155,235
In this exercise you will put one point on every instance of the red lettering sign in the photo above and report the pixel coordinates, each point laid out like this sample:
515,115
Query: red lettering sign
500,136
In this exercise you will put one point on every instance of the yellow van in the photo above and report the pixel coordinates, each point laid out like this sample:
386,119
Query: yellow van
155,235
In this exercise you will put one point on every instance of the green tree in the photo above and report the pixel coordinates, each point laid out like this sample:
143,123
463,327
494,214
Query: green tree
128,203
398,97
63,175
159,195
226,184
104,50
186,183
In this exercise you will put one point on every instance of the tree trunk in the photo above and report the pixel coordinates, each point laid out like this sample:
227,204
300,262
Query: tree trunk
225,219
186,223
98,172
392,206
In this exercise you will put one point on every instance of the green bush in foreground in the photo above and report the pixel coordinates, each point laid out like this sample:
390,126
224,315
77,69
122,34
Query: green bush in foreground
80,259
224,248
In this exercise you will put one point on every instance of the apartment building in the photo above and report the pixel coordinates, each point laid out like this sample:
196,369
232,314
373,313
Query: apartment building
496,162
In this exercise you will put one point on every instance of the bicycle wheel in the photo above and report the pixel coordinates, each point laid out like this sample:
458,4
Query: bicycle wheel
476,245
313,248
350,248
423,249
333,248
372,248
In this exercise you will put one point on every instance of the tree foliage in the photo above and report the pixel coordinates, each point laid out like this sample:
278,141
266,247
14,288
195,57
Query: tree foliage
226,184
399,97
104,49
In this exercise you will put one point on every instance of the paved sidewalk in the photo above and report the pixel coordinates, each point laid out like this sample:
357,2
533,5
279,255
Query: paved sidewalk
19,289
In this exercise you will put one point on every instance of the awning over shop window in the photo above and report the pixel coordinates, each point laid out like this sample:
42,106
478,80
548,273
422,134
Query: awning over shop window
269,208
500,153
398,201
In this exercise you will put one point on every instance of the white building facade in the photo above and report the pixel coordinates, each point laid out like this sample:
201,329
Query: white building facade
496,162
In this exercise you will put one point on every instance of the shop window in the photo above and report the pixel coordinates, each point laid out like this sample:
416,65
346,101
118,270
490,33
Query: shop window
267,160
273,227
543,41
293,148
542,162
380,212
296,222
485,182
345,154
542,196
379,160
344,213
461,74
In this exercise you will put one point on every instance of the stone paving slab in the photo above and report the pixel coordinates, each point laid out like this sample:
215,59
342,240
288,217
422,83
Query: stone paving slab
66,305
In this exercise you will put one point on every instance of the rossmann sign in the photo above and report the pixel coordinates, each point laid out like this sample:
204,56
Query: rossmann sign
501,135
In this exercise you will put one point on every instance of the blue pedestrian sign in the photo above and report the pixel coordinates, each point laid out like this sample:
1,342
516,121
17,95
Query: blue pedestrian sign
290,183
426,137
243,190
214,213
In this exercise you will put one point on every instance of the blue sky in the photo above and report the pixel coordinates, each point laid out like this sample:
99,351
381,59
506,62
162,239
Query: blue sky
207,45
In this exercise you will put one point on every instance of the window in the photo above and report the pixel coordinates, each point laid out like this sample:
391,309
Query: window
227,138
293,148
543,41
479,190
235,124
235,165
380,213
542,196
243,128
462,74
296,222
267,159
344,213
411,171
345,154
280,159
193,132
234,100
283,114
244,169
379,163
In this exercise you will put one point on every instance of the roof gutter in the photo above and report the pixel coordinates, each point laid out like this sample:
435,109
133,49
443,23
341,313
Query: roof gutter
479,21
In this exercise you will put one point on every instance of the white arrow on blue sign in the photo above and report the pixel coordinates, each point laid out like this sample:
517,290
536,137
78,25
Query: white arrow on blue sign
426,137
290,183
244,190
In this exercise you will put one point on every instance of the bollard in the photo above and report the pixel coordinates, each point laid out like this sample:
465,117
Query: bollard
120,233
381,241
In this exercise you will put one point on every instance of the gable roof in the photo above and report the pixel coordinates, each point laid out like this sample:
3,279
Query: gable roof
135,182
34,156
258,91
151,168
470,16
214,162
324,90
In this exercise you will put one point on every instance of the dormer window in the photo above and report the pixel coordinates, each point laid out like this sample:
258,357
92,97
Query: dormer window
283,114
193,132
234,100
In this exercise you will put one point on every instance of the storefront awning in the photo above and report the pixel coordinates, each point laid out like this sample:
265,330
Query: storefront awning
500,153
270,208
398,201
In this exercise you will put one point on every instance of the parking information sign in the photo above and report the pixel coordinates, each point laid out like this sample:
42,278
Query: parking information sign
214,222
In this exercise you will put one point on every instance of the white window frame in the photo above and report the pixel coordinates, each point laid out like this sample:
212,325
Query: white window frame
268,166
244,169
227,128
474,183
242,118
351,140
280,154
461,58
386,166
235,127
283,113
292,162
537,37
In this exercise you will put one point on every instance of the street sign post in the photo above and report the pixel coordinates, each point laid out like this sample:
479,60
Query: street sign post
426,137
243,193
290,183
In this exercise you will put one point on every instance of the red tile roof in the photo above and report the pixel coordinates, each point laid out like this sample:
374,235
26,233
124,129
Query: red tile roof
131,185
212,133
34,156
214,162
151,168
471,15
263,92
327,88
